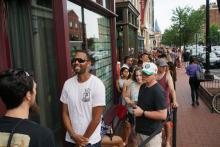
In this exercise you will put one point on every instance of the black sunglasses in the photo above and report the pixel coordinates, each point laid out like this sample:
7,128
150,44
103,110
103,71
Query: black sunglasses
79,60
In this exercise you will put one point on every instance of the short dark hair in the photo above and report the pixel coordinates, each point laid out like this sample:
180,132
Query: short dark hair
85,52
14,84
126,58
192,59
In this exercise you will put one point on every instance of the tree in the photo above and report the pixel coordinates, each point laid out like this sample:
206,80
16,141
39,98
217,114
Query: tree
214,34
186,22
169,37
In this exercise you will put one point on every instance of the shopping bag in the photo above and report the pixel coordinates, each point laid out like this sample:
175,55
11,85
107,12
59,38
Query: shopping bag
200,76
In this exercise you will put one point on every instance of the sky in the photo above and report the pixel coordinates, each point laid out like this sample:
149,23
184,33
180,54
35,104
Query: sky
163,9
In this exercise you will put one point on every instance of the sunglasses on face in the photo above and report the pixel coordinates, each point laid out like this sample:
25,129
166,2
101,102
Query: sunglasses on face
79,60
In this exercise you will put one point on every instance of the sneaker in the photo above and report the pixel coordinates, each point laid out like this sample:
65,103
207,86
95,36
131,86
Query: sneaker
197,103
193,104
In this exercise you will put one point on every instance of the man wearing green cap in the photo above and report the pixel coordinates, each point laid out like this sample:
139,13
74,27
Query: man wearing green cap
151,107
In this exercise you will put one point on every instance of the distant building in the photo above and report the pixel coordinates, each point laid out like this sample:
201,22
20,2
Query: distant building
75,26
157,34
147,22
214,14
127,28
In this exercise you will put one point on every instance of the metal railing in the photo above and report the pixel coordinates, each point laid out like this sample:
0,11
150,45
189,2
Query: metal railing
211,84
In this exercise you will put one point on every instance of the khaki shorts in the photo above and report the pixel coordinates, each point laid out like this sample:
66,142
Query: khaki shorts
156,141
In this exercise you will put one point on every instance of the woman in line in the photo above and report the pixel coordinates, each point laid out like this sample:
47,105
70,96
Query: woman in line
130,94
124,76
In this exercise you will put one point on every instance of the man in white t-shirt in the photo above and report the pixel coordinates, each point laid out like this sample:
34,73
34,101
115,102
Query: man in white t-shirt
83,98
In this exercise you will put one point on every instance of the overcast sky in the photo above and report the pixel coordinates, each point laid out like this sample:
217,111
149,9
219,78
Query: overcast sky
163,9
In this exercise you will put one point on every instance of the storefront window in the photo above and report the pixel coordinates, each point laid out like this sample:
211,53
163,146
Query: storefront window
31,37
119,12
132,40
97,40
99,43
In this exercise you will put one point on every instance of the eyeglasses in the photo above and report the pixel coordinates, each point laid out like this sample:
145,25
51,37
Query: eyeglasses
79,60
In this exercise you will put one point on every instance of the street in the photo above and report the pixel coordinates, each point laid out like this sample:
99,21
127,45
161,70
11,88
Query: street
215,72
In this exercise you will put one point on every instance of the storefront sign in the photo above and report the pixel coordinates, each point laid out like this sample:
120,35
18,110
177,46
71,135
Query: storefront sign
143,5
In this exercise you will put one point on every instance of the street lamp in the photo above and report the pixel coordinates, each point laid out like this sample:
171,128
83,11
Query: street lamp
208,45
208,75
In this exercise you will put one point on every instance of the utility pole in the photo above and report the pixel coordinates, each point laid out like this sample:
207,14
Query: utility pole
208,45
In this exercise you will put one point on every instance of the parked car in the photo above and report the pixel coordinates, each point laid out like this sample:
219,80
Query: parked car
214,60
216,49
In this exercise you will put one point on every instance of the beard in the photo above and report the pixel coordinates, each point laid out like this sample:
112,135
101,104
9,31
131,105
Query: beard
79,70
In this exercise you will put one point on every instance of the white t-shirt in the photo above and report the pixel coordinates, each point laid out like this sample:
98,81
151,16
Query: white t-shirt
80,99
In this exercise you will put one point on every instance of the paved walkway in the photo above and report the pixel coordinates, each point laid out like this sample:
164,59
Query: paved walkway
196,126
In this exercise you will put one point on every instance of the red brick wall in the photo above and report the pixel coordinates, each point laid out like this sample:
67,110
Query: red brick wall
214,16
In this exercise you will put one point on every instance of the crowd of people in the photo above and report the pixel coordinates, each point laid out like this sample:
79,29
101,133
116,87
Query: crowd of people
146,86
148,91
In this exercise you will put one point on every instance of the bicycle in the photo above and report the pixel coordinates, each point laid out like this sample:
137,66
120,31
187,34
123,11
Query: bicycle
216,103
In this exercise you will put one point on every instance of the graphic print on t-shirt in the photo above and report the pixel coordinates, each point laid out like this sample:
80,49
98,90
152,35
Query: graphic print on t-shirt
18,140
86,95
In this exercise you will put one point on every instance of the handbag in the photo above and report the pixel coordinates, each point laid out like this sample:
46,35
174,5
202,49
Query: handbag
200,75
122,111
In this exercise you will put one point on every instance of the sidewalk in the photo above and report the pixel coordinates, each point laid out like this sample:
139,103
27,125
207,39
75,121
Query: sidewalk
196,126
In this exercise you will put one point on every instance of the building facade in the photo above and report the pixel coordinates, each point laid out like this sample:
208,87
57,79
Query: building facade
135,24
147,23
41,36
214,14
127,27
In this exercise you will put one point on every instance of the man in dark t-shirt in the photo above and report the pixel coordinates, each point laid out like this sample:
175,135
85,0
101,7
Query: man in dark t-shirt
18,92
151,107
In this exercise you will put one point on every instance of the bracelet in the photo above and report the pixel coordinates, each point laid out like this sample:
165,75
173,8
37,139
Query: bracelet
143,113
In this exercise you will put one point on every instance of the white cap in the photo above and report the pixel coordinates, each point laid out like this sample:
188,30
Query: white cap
149,68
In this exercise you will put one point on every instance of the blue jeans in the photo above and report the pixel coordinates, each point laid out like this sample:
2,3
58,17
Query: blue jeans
98,144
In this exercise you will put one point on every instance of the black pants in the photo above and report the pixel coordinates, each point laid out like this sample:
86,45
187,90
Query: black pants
194,85
69,144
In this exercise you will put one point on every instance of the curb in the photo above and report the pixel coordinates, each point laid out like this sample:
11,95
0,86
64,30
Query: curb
206,96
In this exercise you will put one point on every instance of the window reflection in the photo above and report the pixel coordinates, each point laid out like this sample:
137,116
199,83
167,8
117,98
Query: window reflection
75,26
96,40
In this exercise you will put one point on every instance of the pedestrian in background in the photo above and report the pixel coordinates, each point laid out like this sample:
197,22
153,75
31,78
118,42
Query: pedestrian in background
193,82
128,61
186,58
18,92
83,98
151,107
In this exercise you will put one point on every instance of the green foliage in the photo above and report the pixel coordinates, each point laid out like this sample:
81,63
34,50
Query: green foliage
214,34
186,22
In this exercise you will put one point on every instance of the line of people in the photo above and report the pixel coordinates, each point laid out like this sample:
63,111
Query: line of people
83,102
147,89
